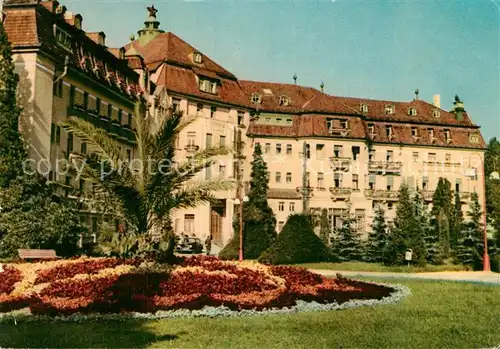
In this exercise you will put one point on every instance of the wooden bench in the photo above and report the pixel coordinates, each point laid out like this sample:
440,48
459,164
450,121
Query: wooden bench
37,254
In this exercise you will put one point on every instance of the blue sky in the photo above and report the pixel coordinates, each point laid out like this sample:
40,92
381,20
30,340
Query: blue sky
372,49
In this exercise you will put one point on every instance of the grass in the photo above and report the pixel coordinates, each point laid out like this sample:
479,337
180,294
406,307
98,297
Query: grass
437,315
376,267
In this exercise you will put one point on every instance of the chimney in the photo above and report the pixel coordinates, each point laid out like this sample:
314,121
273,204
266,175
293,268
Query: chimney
98,38
437,101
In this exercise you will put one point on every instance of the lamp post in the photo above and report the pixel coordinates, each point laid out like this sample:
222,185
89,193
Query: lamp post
239,201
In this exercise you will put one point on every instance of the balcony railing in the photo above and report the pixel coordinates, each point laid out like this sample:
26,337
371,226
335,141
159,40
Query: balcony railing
340,163
427,195
385,166
339,131
191,148
340,193
309,190
386,195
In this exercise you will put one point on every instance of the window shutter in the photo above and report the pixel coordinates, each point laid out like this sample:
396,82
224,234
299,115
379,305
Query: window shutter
371,179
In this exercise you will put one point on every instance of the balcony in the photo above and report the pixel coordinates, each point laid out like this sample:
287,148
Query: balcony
339,131
340,163
383,195
384,167
427,195
191,148
309,191
340,193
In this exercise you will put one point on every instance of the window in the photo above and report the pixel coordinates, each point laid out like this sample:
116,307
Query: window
388,131
222,141
390,182
431,133
191,138
199,108
337,180
371,129
308,179
447,158
289,177
256,98
208,173
390,206
291,206
414,132
360,220
355,182
432,157
62,38
209,140
337,151
278,148
308,151
222,170
281,206
458,183
288,149
280,225
189,223
447,136
85,100
278,177
364,108
329,123
389,156
321,180
415,156
197,57
371,181
207,86
212,111
473,138
320,151
69,145
267,148
343,124
176,104
436,113
83,148
389,109
412,112
120,116
284,101
129,155
58,88
355,152
425,183
241,117
371,155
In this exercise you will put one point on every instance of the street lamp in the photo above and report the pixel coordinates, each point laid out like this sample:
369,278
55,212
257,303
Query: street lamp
486,256
238,201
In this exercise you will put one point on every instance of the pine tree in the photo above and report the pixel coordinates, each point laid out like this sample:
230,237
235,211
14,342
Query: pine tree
442,213
324,228
417,239
377,239
12,151
348,241
456,223
259,222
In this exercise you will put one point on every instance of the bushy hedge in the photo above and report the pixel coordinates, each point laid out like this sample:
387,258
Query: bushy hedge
297,243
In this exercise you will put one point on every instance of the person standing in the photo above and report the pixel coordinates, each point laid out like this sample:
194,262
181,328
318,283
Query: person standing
208,244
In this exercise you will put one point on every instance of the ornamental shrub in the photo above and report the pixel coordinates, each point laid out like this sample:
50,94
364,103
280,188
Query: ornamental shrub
297,243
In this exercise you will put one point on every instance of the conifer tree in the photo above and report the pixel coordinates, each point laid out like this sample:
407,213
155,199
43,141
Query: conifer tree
442,213
12,151
456,223
348,241
417,239
324,228
259,222
377,239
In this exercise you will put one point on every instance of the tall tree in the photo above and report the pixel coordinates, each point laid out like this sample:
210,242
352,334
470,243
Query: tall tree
324,227
442,213
259,222
492,165
12,150
456,223
377,239
348,241
472,244
155,183
417,239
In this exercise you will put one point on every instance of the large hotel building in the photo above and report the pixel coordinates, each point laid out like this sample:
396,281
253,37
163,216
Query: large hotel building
322,151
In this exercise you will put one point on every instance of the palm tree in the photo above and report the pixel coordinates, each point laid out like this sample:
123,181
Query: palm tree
149,187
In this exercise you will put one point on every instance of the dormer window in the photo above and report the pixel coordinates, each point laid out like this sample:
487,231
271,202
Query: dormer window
412,112
197,58
473,138
414,132
447,136
364,108
431,134
436,114
62,38
208,86
371,129
389,109
388,131
78,22
256,98
343,124
284,101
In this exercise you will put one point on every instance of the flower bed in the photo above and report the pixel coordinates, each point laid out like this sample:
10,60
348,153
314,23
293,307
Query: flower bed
106,285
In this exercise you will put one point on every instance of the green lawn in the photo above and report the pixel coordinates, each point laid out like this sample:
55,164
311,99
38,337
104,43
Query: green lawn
436,315
362,266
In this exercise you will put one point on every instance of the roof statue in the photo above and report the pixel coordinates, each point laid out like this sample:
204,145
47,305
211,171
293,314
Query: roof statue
152,11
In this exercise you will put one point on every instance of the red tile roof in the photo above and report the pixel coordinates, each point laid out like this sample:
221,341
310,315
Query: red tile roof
168,47
33,26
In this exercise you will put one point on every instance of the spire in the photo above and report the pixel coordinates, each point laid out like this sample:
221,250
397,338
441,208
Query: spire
458,108
295,78
151,25
322,86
